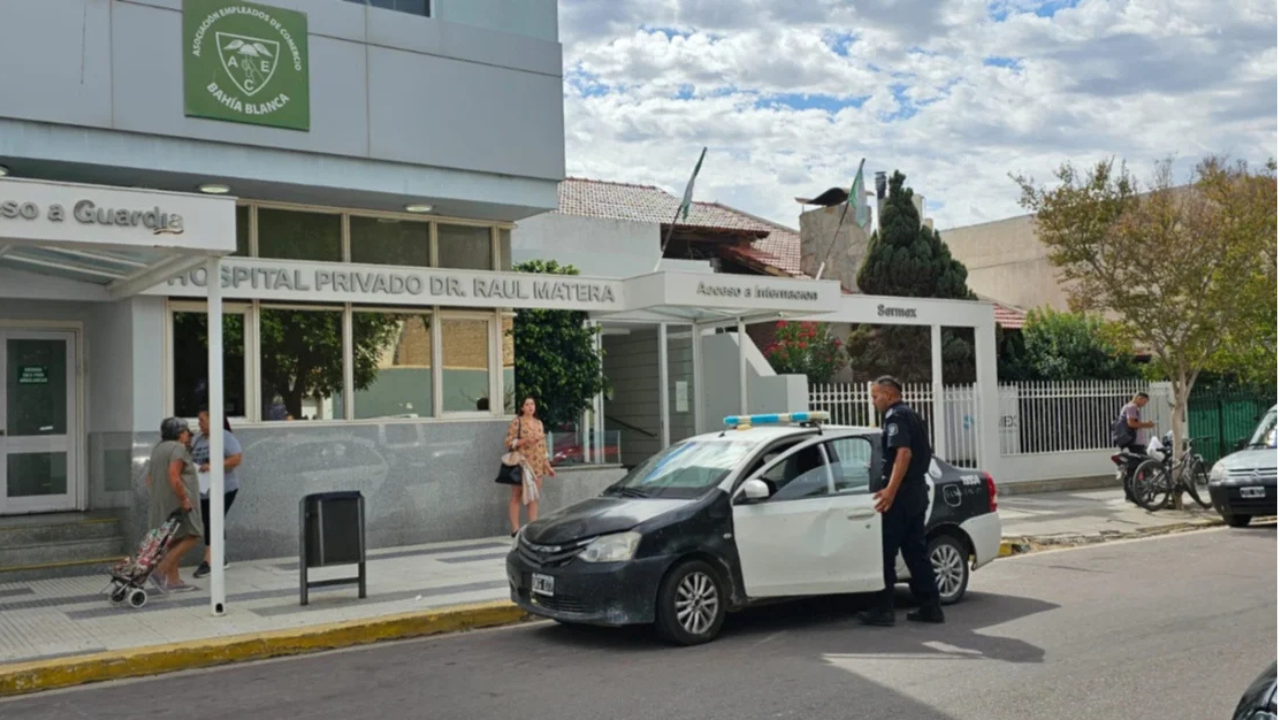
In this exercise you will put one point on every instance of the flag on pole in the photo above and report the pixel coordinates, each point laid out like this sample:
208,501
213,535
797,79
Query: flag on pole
858,197
687,200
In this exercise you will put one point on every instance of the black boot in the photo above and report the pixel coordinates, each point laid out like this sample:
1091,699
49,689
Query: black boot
931,613
878,617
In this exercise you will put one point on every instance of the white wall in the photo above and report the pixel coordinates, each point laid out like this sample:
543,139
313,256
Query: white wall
766,390
149,373
631,367
597,247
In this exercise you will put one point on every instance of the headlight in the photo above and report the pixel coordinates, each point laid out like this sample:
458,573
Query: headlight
1218,473
620,547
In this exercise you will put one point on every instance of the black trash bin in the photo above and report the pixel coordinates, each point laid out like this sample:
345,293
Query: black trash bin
332,533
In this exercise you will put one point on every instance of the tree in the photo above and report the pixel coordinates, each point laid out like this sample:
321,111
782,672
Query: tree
556,358
1068,346
806,348
1177,265
908,259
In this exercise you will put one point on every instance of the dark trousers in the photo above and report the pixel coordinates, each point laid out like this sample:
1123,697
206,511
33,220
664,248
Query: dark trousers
1136,450
205,510
902,529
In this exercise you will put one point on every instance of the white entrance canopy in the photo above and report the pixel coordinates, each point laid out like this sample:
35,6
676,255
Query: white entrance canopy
126,241
123,239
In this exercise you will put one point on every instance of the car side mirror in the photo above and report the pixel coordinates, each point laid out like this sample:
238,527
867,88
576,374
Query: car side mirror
1242,444
753,491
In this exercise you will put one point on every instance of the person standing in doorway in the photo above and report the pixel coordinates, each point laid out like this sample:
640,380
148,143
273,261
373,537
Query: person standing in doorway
526,436
232,455
173,486
902,499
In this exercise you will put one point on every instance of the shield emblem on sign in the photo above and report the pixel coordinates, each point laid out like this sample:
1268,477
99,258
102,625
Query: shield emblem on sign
250,61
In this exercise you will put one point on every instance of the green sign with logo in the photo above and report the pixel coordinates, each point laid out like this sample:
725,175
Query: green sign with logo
247,63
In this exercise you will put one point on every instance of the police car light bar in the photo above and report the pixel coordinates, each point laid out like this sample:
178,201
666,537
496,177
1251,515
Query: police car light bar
745,421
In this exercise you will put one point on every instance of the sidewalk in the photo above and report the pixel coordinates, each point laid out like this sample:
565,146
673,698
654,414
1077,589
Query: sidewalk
412,591
1088,515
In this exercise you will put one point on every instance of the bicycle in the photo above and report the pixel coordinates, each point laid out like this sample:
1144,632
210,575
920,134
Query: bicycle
1157,479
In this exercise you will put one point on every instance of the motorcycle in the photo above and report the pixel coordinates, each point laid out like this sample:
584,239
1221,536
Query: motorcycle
1126,462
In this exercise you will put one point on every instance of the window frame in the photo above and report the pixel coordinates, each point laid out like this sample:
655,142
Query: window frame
494,356
169,367
812,441
349,350
872,465
259,306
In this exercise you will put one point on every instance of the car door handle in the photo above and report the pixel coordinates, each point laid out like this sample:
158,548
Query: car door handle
862,514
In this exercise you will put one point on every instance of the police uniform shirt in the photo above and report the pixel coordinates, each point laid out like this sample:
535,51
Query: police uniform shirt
903,428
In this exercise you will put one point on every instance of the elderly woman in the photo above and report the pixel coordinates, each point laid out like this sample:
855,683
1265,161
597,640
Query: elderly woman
526,437
174,489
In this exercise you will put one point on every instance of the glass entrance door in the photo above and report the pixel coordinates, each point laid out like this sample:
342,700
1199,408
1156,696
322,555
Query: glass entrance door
38,455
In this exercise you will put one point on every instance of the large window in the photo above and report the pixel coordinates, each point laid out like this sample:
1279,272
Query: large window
389,241
190,355
283,232
301,363
466,377
351,362
393,364
465,246
295,362
296,235
413,7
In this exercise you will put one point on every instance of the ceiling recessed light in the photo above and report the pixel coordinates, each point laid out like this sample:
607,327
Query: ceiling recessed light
215,189
417,208
3,171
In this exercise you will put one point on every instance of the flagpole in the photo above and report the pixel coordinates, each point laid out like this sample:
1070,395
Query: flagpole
854,192
667,239
685,202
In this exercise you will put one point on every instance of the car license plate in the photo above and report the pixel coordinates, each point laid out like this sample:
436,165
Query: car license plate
1253,492
544,585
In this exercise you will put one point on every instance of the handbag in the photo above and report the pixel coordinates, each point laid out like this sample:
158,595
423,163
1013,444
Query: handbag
511,471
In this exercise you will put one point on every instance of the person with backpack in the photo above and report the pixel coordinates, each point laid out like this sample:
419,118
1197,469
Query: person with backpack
1128,430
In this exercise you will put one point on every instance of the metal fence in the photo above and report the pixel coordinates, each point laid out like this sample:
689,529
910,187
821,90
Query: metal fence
1054,417
850,404
1035,417
1226,417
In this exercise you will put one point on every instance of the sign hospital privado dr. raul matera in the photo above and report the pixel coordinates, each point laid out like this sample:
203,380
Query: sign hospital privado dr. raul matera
246,63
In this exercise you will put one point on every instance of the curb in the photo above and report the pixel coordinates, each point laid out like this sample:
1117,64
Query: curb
1022,545
41,675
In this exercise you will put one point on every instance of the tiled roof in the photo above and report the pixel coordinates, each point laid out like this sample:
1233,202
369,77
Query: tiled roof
646,203
1010,318
775,249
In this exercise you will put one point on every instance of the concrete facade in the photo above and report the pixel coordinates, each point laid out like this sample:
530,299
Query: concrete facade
1007,263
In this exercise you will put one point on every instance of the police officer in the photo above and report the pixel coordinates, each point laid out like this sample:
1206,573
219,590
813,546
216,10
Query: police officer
902,500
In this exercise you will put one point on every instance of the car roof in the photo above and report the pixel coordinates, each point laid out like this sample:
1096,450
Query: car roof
763,434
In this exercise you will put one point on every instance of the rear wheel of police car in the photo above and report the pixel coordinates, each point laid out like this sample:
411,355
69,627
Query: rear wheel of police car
691,604
950,562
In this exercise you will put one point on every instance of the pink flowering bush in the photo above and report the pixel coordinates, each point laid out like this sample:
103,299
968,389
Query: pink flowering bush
806,348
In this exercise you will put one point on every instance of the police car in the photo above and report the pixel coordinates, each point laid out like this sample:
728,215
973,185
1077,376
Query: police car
774,506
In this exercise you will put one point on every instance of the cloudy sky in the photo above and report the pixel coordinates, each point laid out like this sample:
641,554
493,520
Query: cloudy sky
788,95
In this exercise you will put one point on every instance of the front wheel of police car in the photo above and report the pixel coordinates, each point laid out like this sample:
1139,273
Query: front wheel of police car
691,604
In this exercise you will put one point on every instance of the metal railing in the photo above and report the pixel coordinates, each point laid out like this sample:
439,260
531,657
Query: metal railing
1035,417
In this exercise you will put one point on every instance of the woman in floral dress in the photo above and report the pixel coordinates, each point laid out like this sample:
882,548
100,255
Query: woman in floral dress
526,437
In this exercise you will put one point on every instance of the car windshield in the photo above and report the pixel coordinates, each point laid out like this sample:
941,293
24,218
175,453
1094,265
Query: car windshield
684,470
1265,435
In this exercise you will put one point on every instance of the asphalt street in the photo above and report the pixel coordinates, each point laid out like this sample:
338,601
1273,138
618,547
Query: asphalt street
1172,627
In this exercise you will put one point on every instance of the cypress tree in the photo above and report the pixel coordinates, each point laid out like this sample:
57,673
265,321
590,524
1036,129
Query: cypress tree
906,258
